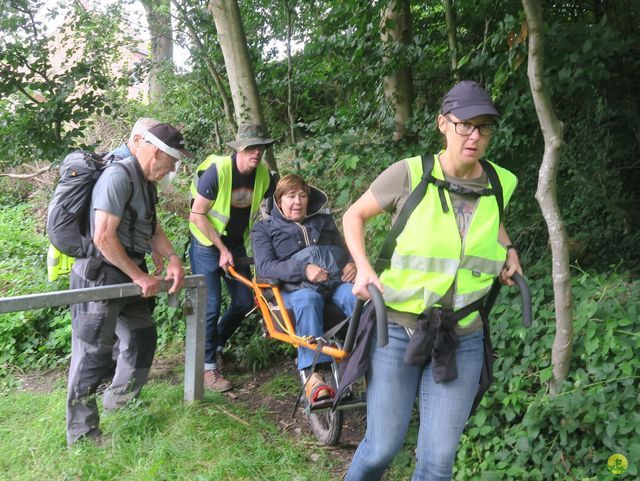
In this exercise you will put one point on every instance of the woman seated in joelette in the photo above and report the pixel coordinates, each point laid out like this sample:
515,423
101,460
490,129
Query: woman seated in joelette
299,245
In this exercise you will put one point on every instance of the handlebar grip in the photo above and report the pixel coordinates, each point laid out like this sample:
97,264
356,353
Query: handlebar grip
381,315
525,298
353,325
381,319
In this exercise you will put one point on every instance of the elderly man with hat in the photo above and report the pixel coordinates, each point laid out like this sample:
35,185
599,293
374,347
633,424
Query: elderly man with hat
124,230
226,195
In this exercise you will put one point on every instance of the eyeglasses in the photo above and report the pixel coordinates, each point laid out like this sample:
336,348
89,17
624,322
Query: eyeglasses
467,128
256,147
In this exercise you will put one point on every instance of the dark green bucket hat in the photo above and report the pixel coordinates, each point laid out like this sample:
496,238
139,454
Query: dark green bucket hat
250,134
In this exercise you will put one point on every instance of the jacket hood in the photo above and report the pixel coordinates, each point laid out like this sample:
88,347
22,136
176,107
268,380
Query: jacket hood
317,202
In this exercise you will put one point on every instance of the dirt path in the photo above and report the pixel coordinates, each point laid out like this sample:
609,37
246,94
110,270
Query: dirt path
250,393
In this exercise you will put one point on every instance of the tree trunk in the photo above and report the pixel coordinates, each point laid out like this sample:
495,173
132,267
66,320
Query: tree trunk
290,7
216,131
211,67
484,44
552,130
244,89
395,32
159,20
450,15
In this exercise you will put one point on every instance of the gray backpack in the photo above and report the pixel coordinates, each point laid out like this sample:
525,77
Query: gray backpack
68,217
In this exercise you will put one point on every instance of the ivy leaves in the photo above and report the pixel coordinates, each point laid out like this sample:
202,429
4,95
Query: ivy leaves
522,433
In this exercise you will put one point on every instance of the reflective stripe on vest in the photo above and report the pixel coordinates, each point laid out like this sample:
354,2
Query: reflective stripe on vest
220,210
57,263
430,256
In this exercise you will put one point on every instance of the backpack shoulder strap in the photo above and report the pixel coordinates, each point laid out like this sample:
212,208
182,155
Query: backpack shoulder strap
149,195
132,176
496,186
384,257
127,206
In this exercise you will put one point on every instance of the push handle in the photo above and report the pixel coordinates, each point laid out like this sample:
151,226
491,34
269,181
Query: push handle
381,319
525,299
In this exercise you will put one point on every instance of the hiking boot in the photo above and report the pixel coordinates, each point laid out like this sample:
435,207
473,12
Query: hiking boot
213,380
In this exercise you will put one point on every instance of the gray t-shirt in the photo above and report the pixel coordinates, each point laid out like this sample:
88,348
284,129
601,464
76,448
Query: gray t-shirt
110,194
392,189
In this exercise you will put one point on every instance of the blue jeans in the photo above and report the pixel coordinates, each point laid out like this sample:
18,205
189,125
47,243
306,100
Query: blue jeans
392,387
205,260
307,306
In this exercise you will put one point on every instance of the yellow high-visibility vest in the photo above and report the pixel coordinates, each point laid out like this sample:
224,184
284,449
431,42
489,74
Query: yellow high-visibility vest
430,255
220,211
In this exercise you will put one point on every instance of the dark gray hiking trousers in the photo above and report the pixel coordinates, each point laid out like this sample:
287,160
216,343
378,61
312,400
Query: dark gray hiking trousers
95,326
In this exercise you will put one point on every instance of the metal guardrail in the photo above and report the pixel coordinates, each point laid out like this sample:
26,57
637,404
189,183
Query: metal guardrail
195,290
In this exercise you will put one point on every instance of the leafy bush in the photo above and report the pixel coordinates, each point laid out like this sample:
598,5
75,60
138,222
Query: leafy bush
522,433
41,338
48,92
37,338
343,165
253,350
13,192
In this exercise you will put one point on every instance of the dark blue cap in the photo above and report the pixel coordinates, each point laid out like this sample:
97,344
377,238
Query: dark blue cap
467,99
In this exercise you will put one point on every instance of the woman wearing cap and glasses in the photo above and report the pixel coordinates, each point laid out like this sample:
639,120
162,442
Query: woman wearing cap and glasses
445,260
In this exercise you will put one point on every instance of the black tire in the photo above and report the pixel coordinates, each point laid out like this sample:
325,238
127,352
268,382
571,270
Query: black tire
327,425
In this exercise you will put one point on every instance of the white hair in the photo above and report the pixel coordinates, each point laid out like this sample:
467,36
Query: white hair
141,126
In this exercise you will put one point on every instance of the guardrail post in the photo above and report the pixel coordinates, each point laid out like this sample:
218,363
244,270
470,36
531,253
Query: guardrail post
194,345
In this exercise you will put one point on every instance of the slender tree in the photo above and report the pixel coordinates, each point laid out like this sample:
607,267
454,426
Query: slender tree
395,33
198,48
552,130
242,80
450,15
290,7
159,20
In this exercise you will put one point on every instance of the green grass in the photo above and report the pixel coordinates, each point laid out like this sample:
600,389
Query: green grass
281,386
159,438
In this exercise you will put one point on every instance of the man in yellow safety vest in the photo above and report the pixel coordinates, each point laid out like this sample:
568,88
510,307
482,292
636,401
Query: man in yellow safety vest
226,194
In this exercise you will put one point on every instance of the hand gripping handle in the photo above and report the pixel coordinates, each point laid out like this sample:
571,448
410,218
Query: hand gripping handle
381,319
